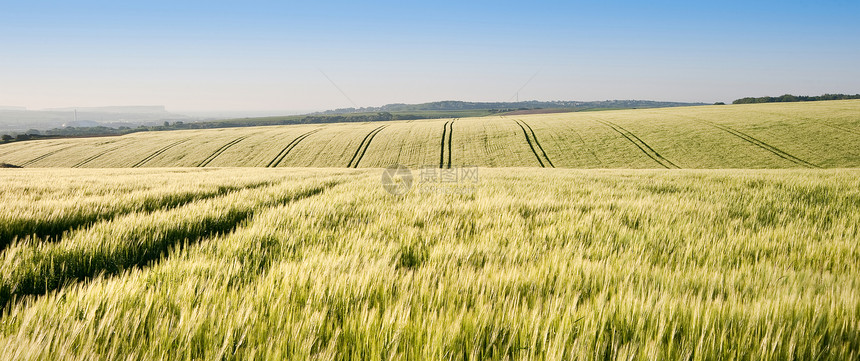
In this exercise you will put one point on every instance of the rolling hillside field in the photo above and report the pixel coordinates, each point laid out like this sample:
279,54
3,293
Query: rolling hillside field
709,233
780,135
546,264
429,181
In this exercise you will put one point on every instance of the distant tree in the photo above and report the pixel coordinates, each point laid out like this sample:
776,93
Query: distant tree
166,124
795,98
787,98
7,138
719,103
384,116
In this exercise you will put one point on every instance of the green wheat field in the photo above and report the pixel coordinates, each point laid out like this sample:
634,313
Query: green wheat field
793,135
701,233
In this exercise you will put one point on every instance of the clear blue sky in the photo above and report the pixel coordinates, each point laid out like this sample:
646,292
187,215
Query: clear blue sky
268,55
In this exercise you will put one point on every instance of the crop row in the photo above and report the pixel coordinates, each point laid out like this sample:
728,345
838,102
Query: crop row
820,135
531,264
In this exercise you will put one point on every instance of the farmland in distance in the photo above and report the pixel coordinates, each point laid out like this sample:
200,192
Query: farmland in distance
707,233
793,135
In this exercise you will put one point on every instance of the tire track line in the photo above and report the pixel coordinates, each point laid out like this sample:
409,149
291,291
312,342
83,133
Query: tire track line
447,132
839,127
639,143
221,150
584,144
537,143
55,231
43,156
776,151
450,141
362,148
94,157
158,152
139,252
529,141
289,147
442,149
819,121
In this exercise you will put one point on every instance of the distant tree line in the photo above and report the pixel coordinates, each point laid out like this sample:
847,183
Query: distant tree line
787,98
100,131
452,105
287,120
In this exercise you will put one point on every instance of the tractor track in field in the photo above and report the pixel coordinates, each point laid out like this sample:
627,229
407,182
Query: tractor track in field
157,153
46,155
447,132
114,262
543,162
221,150
94,157
583,143
639,143
824,123
750,139
362,148
531,146
289,147
839,127
53,232
450,145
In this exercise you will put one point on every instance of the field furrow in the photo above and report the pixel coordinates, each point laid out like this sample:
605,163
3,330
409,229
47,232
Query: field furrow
644,147
824,121
443,145
39,228
220,151
29,152
840,128
491,142
537,143
812,134
362,148
94,157
529,142
284,152
157,153
533,142
450,142
446,148
776,151
534,264
43,156
134,240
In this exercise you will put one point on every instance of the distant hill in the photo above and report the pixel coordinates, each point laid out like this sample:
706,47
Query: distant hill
101,121
134,109
453,105
18,120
